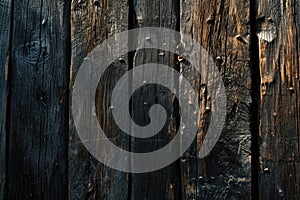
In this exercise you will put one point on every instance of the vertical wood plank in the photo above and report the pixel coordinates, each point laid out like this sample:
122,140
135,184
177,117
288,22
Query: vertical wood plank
5,19
278,33
39,72
164,183
222,28
92,22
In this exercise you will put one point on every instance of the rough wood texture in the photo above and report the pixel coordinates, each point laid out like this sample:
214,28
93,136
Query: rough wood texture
221,27
41,155
164,183
5,18
92,22
37,163
278,33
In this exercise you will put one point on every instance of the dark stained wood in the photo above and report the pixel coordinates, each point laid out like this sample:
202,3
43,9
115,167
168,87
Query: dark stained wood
41,155
37,163
222,28
164,183
5,18
92,22
278,33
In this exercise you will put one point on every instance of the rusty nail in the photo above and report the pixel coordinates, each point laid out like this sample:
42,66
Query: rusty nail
291,89
266,170
270,19
180,58
219,59
161,54
44,21
241,39
122,60
209,20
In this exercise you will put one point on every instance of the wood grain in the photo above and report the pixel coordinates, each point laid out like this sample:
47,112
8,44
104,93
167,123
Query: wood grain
5,18
92,22
278,32
164,183
43,44
222,28
38,123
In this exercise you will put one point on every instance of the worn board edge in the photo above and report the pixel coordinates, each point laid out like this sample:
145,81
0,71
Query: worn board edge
278,35
5,21
51,165
229,36
92,22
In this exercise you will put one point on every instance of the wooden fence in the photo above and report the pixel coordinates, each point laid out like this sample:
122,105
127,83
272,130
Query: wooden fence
255,45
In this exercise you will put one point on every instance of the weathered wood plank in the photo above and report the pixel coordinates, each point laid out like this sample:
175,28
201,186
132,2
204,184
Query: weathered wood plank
164,183
278,32
92,22
222,28
5,18
38,125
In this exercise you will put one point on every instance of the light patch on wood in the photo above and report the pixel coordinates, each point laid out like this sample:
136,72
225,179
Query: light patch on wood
267,36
